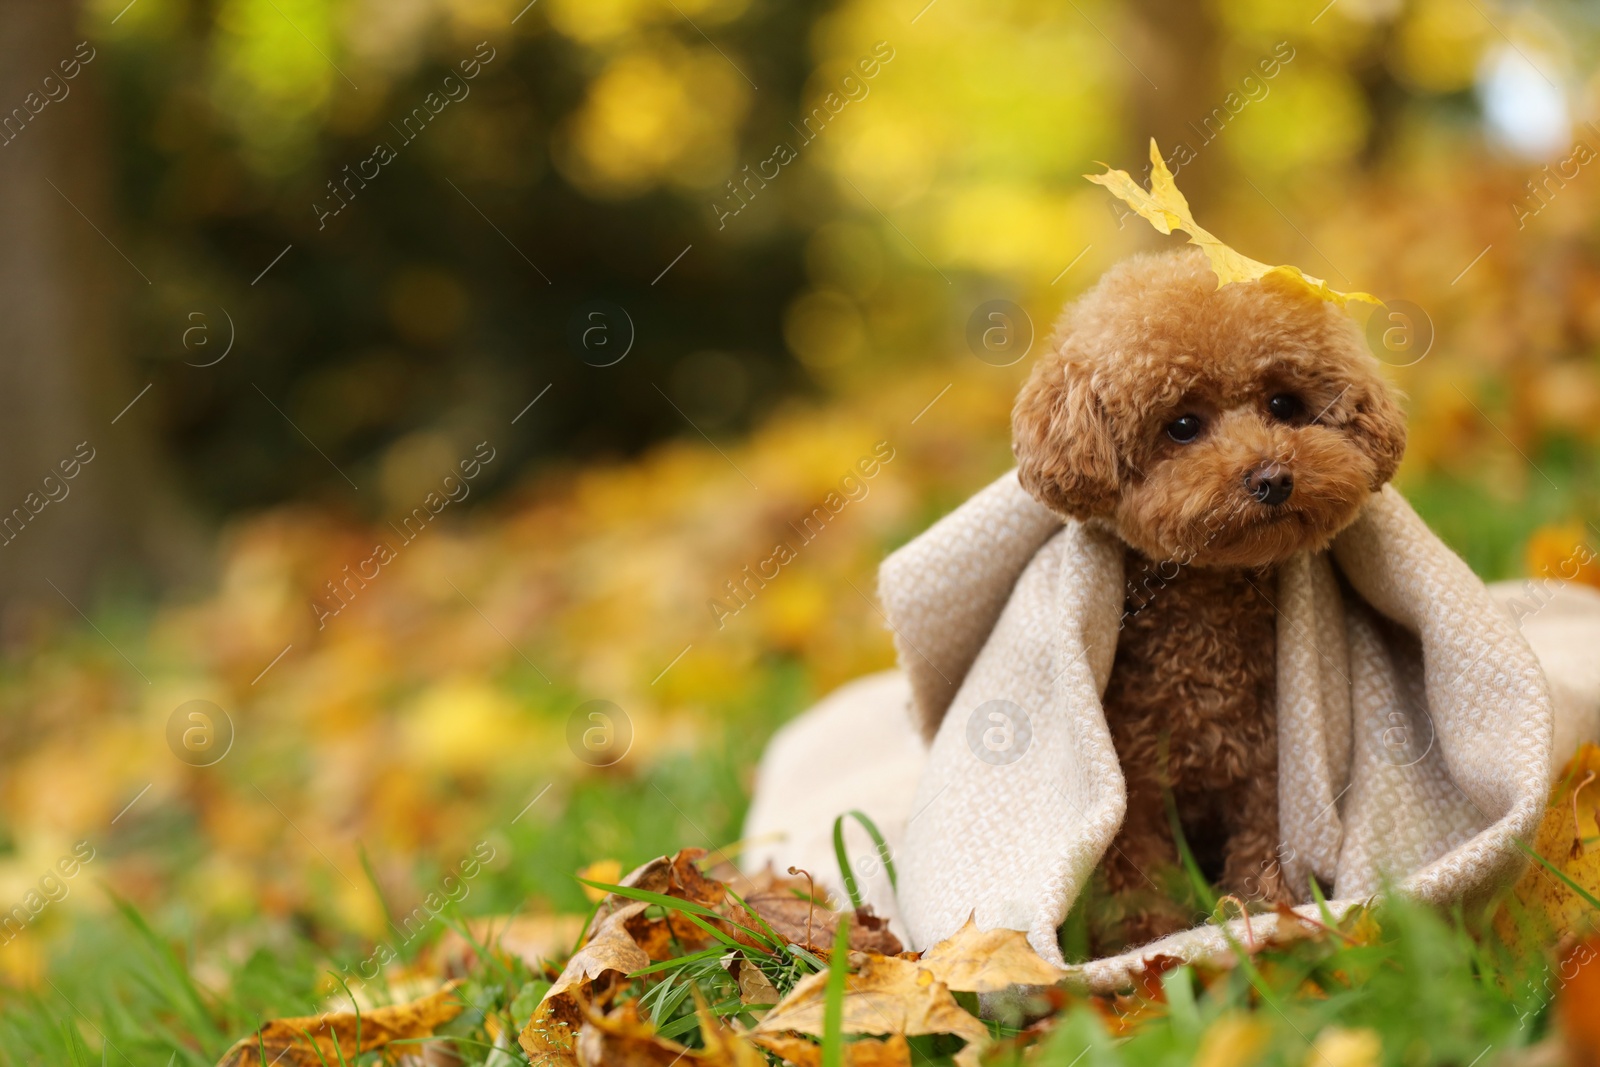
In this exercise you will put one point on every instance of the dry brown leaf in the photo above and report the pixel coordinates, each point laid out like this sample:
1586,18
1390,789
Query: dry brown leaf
812,926
550,1035
611,948
867,1052
987,961
677,876
622,1039
886,996
621,940
1122,1014
1147,983
802,916
723,1046
754,985
314,1040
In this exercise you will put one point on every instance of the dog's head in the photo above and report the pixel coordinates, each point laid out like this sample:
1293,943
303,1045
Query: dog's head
1227,427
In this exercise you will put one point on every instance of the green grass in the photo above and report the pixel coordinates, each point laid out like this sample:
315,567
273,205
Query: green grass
1434,987
1489,530
1433,991
124,987
125,983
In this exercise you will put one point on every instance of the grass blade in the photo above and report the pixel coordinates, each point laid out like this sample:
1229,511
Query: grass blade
833,1005
668,965
689,908
1587,896
843,856
772,938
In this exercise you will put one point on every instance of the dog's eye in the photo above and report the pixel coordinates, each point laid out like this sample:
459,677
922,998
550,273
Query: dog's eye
1284,406
1184,428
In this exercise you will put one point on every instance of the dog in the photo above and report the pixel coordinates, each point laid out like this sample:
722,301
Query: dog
1217,432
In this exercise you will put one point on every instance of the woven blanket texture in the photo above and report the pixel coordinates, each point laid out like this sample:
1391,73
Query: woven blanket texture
1416,726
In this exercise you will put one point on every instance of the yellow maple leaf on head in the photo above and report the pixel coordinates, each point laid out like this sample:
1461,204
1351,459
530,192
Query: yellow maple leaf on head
1165,208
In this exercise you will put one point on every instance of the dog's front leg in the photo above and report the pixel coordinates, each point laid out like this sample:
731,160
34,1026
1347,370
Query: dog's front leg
1252,866
1143,846
1139,864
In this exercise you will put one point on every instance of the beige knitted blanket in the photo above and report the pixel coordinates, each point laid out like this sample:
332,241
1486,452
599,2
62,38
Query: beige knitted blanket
1414,726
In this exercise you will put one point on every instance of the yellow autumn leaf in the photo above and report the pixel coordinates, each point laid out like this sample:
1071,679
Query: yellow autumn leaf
1234,1040
886,996
864,1052
1562,551
1337,1046
1165,208
623,1039
1567,841
343,1036
987,961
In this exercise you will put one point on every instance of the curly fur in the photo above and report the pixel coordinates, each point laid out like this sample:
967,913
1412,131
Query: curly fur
1191,701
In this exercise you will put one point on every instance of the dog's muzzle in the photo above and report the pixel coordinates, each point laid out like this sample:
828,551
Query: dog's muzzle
1269,484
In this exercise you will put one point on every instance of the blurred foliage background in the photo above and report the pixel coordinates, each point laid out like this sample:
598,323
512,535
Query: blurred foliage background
788,311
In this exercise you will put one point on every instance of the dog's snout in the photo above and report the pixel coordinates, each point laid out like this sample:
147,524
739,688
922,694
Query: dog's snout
1269,483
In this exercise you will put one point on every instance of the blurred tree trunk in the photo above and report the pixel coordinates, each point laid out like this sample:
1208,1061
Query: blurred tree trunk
64,374
1175,87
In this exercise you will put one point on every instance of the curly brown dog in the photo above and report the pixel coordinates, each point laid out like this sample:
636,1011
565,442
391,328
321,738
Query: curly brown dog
1217,432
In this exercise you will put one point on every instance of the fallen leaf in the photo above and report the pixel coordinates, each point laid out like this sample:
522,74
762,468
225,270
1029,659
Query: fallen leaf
1147,983
886,996
313,1040
1165,208
678,876
623,1039
1578,1003
611,947
1336,1046
621,940
1122,1014
812,925
724,1046
987,961
1546,907
867,1052
1360,925
754,985
1562,552
549,1036
607,871
800,915
1233,1040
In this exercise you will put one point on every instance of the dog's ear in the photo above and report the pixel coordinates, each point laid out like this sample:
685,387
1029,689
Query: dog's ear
1370,414
1061,436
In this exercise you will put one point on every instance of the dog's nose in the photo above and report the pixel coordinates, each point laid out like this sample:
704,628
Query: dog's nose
1269,483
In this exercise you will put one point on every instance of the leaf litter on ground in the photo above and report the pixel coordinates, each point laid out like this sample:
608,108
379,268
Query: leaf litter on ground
678,962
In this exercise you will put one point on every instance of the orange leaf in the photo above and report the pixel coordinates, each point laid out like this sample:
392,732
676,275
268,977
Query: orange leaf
313,1040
